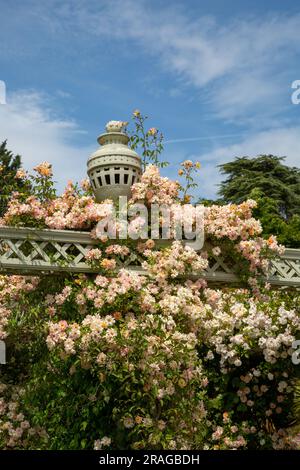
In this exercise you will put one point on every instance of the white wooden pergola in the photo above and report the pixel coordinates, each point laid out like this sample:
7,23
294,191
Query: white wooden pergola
32,251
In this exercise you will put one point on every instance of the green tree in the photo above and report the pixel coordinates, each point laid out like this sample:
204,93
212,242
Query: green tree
9,165
267,174
276,188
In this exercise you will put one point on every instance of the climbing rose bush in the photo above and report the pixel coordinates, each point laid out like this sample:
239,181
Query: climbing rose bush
118,360
11,289
155,189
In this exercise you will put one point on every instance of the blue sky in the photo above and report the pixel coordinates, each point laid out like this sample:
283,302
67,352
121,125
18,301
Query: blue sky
215,77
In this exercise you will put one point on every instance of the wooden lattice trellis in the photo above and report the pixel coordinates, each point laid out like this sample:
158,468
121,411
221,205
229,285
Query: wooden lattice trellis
28,250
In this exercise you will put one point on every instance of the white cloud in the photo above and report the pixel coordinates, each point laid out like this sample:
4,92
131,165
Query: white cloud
32,129
240,69
241,66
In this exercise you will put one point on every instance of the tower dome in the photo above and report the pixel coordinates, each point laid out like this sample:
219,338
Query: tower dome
114,167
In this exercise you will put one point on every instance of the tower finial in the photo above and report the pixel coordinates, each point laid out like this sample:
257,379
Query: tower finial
114,167
115,126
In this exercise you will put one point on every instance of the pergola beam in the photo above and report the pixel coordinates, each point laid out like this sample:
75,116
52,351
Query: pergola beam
34,251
